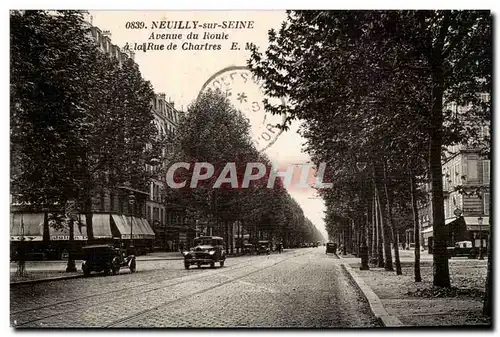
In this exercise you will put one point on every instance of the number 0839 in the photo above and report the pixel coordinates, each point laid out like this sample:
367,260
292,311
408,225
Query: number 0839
134,25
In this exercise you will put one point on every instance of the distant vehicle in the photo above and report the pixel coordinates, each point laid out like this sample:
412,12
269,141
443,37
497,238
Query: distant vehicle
464,248
208,250
331,248
107,259
263,247
248,249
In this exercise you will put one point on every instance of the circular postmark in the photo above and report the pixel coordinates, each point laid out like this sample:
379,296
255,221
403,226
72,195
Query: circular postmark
246,94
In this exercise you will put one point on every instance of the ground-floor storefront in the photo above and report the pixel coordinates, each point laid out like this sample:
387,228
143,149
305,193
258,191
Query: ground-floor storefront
38,239
460,229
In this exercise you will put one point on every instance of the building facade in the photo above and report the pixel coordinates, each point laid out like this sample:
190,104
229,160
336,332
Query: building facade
466,190
119,216
167,221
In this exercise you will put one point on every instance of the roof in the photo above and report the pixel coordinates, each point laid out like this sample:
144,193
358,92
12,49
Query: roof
209,237
98,246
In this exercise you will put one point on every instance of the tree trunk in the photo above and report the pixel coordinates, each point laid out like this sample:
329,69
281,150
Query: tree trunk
374,245
231,233
88,216
71,267
46,230
368,234
226,236
380,234
394,234
416,227
440,258
385,233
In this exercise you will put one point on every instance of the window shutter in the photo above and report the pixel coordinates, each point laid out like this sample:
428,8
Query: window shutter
486,171
486,203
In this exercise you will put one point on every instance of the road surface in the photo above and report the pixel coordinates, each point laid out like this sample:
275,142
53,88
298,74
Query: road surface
298,288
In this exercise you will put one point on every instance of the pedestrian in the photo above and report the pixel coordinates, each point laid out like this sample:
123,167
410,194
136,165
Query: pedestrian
181,246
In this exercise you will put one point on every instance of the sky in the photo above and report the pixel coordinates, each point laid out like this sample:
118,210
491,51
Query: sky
181,74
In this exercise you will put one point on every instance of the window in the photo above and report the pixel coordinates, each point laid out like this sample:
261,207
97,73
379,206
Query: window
486,171
472,170
102,196
112,201
486,203
458,180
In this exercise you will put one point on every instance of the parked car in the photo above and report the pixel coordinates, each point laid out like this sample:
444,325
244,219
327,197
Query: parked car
331,248
465,248
207,250
248,249
107,259
263,247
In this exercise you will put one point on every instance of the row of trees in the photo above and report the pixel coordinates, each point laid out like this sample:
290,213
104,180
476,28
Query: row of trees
373,89
80,120
214,132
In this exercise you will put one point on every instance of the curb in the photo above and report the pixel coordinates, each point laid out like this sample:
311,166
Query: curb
376,306
42,280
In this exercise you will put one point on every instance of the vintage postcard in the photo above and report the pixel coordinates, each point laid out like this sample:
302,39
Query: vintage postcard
250,169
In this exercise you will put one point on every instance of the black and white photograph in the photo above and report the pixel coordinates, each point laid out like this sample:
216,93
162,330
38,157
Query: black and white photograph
250,169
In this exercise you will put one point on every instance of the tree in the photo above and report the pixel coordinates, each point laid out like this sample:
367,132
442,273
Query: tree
80,121
359,73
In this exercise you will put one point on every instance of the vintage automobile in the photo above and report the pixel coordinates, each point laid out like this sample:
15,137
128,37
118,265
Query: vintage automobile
248,249
107,259
263,247
465,248
331,248
208,250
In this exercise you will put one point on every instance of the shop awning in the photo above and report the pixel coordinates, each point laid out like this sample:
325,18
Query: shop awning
473,224
62,234
144,230
148,227
27,226
101,226
122,225
140,227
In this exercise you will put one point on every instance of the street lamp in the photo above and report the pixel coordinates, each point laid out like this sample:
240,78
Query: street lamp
480,223
131,202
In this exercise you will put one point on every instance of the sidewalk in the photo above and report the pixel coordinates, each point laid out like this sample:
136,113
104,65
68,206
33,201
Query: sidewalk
421,304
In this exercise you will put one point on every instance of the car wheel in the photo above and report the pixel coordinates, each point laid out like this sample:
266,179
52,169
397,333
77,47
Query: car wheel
86,272
199,265
186,265
107,271
212,265
115,270
222,263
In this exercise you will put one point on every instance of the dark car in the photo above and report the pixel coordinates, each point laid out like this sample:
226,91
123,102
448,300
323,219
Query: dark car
107,259
248,249
331,248
208,250
263,247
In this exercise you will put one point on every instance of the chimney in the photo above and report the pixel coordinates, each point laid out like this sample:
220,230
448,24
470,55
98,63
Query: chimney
171,103
161,95
106,33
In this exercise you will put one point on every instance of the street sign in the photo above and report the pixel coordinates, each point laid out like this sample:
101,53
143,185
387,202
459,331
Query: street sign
70,207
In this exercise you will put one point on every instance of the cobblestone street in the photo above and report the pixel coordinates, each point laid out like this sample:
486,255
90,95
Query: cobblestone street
299,288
